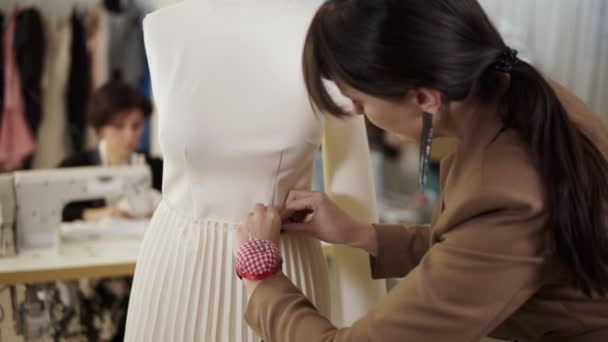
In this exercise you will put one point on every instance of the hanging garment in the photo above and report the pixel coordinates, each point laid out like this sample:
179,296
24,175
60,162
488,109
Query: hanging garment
79,84
567,40
127,56
16,140
1,64
97,44
115,6
30,47
53,141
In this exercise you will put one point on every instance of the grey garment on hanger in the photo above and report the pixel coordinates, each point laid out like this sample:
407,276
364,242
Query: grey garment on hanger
127,56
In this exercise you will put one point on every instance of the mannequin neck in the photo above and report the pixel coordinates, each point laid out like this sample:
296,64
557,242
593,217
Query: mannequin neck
239,5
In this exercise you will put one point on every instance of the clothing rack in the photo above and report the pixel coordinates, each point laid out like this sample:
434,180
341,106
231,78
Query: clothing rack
567,40
111,42
57,8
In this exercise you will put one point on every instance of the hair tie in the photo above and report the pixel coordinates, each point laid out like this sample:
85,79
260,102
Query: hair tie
506,60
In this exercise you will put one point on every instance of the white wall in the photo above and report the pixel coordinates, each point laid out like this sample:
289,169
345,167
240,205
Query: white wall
568,40
163,3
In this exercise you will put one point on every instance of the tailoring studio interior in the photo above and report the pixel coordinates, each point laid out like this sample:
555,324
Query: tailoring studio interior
75,206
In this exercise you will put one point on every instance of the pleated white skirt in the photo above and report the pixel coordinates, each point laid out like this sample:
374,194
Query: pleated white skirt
185,288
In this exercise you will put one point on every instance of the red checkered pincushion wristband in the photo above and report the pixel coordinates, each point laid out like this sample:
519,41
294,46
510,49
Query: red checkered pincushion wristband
258,259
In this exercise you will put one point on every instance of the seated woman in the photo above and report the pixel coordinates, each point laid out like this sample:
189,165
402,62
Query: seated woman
118,113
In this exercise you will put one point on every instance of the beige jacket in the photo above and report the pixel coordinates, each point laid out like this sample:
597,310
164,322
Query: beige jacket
480,269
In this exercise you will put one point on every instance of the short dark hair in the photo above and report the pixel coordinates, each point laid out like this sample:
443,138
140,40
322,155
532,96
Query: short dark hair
113,98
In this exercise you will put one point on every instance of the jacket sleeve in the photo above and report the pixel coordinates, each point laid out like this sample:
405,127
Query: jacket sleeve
400,249
477,274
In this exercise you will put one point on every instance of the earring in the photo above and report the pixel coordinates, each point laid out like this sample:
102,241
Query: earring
426,141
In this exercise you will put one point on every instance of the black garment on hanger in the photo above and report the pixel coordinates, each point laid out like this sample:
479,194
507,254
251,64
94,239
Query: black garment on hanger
79,85
116,6
30,50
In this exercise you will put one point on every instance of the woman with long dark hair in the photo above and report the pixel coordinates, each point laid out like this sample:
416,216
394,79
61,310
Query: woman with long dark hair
518,246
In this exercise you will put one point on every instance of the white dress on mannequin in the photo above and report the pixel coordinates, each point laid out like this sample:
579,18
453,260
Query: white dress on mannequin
235,128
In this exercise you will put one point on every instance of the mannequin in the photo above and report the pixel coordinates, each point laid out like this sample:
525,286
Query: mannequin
235,128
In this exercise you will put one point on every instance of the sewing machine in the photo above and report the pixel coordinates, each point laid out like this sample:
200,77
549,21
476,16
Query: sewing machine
7,216
42,195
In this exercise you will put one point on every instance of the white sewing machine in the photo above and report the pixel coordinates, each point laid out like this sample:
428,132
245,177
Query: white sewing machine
7,216
42,195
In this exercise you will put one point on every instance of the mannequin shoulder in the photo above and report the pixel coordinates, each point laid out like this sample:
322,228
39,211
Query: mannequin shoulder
171,16
163,26
161,16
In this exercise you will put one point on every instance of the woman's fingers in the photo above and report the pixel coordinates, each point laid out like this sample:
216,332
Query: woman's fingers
298,210
298,194
298,200
259,213
286,214
242,235
242,231
272,214
307,229
259,210
301,204
271,211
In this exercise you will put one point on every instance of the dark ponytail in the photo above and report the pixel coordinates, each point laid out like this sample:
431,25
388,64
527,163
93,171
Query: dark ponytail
386,48
575,175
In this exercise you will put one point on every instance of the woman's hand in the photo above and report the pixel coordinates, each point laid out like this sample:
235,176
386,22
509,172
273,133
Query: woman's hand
264,223
98,214
328,222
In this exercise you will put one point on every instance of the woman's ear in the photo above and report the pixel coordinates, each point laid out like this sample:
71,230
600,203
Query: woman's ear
429,100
